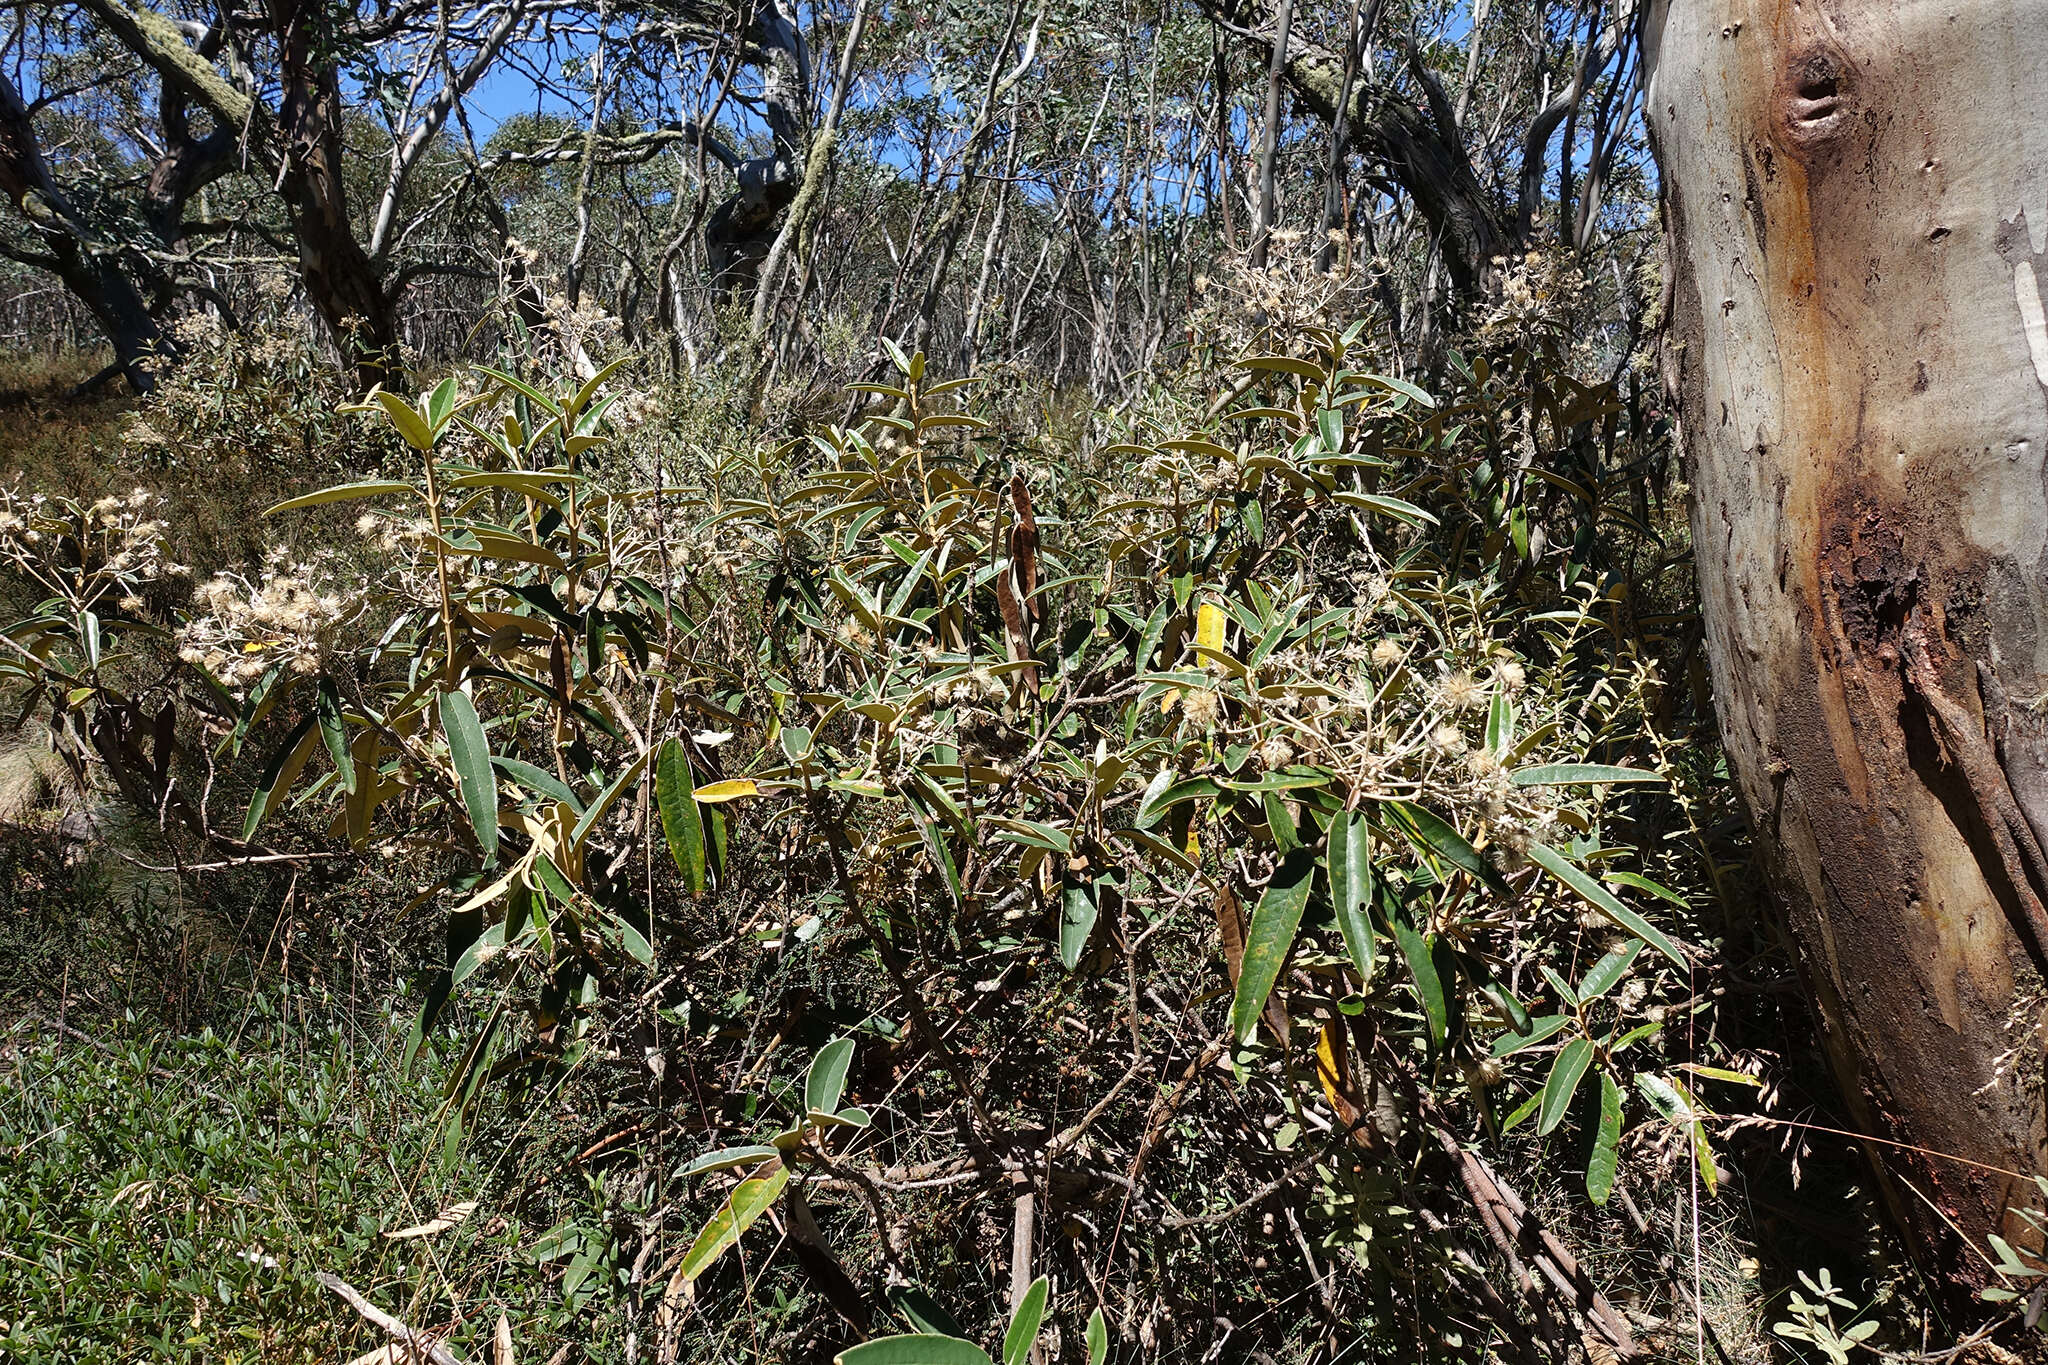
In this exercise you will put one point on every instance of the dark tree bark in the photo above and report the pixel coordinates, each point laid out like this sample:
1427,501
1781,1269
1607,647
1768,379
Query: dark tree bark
90,267
345,285
1419,148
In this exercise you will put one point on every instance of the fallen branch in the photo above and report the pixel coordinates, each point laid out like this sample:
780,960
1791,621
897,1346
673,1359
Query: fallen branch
419,1343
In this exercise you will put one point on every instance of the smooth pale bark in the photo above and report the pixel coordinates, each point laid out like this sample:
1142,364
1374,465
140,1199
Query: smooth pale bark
1857,201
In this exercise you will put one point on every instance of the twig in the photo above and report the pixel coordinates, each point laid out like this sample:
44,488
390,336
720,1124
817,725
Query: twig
420,1342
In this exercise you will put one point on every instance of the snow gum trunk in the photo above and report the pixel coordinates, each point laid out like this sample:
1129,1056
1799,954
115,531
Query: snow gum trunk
1856,195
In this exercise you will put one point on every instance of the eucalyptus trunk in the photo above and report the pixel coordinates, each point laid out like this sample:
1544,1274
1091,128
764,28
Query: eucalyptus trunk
1857,204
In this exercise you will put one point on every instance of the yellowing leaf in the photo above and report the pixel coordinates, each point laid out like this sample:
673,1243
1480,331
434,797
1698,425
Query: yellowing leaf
731,790
1328,1070
750,1199
1209,623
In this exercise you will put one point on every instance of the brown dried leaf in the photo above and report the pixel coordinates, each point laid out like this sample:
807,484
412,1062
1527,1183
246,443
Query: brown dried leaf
447,1218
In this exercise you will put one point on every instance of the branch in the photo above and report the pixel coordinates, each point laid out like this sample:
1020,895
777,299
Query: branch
407,154
161,44
427,1346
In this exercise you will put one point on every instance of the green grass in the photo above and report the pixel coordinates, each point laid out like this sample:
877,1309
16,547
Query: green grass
175,1198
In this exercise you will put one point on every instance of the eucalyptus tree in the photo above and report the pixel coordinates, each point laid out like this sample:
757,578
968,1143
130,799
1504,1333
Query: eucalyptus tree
1857,219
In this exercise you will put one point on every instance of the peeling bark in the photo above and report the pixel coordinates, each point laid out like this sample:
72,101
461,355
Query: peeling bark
1857,202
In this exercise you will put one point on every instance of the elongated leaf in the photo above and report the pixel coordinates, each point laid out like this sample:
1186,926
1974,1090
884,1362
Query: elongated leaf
470,752
1269,937
1566,774
1287,364
635,942
1553,862
369,488
519,385
439,405
1350,872
605,798
1155,629
592,384
1566,1071
1396,508
1431,831
729,1157
675,794
748,1201
825,1082
1023,1333
1078,913
1500,722
538,780
1098,1339
1606,1158
407,419
334,733
278,775
915,1349
1605,974
1510,1043
731,790
923,1311
1209,624
1419,951
1191,789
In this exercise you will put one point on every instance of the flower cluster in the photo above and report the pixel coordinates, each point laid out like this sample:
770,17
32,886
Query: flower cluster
286,618
92,555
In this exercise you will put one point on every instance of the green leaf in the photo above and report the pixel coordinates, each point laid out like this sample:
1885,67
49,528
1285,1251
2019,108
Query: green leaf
674,794
344,492
407,419
1023,1333
439,405
1156,805
334,732
923,1311
1642,883
1400,386
470,752
825,1082
1603,975
1280,821
1098,1339
1500,722
278,775
519,385
916,1349
1553,862
1419,950
635,941
1155,630
1399,510
1600,1168
749,1200
1510,1043
727,1158
1350,872
1567,774
605,799
1566,1071
592,384
538,780
1078,912
1434,833
1268,939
